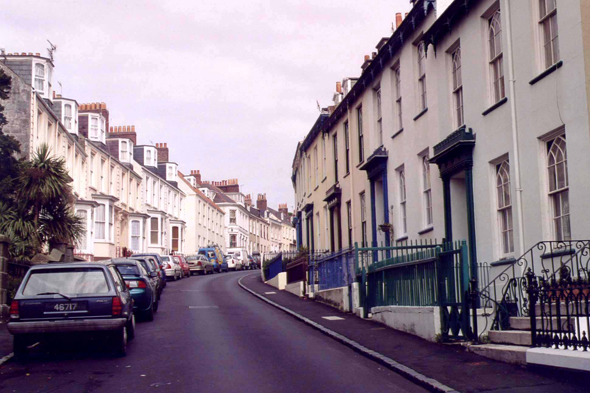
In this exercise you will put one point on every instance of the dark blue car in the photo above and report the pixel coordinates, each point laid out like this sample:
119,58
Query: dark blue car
66,298
157,257
141,286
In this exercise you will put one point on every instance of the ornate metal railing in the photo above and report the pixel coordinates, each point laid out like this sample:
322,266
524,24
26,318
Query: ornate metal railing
550,284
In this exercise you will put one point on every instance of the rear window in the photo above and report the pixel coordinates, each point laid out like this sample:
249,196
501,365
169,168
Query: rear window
191,258
71,281
128,270
146,265
176,259
165,259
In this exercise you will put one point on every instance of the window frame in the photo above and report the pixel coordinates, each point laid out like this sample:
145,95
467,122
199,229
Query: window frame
428,216
544,22
402,201
558,195
457,87
504,214
361,137
398,94
421,63
496,57
347,146
335,151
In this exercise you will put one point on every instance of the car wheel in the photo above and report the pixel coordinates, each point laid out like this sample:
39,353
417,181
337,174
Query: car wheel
131,328
20,346
120,343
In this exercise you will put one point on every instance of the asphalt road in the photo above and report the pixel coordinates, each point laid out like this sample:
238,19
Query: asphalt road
209,335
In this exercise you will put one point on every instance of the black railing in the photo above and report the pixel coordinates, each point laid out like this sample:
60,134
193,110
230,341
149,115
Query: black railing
549,284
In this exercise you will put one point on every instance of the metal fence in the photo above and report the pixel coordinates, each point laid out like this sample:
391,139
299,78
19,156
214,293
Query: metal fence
274,267
335,270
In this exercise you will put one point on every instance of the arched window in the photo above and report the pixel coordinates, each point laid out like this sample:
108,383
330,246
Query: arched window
504,206
495,59
559,187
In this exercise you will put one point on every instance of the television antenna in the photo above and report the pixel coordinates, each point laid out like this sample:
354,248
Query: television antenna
51,49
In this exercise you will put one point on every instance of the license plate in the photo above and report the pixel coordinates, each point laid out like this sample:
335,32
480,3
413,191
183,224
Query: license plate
65,307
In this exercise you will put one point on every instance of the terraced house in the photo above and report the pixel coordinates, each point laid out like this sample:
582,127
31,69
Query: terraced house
469,123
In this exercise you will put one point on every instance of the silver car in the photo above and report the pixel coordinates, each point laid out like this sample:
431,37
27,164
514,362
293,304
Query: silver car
199,264
172,268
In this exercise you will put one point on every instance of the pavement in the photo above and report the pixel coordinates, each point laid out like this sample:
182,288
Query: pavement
438,367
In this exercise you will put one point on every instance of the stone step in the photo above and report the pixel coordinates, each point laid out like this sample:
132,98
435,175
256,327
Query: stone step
514,354
524,323
511,337
562,309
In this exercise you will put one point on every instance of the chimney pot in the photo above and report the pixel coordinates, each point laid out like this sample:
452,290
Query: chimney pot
339,87
398,19
23,53
30,54
132,128
38,54
367,57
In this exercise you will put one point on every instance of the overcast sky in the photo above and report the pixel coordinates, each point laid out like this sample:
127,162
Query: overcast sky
231,86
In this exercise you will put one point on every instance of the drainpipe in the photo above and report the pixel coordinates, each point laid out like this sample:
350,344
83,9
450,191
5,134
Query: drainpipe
515,144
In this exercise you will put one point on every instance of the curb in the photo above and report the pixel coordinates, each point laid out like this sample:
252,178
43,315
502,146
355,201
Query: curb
399,368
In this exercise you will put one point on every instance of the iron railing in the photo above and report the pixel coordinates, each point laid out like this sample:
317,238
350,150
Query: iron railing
549,284
333,270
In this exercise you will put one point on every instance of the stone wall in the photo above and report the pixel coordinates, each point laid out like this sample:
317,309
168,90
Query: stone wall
17,110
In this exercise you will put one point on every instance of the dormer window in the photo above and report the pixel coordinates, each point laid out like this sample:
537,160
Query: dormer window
102,128
148,157
124,151
40,78
68,116
94,127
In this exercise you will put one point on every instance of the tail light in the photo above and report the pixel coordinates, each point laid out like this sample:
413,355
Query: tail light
199,263
14,310
167,266
117,306
135,284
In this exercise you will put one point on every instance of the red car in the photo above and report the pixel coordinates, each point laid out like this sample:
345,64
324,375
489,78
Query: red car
186,271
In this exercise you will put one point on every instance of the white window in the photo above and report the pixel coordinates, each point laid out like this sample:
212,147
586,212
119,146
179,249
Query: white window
363,220
175,238
457,88
317,169
398,96
124,150
148,157
154,231
422,103
94,127
324,154
68,116
40,78
504,207
379,117
559,187
103,180
135,235
92,175
548,31
346,148
232,216
102,128
111,222
402,203
100,223
359,118
426,191
495,59
83,243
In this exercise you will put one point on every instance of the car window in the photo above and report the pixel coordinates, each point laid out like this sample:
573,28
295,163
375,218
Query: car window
119,283
165,259
211,254
176,259
128,270
145,265
142,270
67,281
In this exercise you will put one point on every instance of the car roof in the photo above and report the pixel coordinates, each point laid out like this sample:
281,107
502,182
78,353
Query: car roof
63,265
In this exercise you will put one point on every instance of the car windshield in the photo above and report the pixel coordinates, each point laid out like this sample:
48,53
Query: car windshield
128,270
166,259
211,254
70,281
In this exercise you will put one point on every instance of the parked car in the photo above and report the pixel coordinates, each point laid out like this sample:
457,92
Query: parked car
183,265
151,266
171,267
140,284
66,298
215,256
257,258
199,264
231,262
158,260
241,255
252,263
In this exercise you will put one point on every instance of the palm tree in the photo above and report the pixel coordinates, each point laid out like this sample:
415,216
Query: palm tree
41,214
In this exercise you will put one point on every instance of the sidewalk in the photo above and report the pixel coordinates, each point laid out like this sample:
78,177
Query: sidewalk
450,365
5,340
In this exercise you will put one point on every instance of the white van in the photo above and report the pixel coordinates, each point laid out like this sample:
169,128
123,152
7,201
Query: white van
241,255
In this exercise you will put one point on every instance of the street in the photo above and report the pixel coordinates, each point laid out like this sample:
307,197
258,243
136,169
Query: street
209,335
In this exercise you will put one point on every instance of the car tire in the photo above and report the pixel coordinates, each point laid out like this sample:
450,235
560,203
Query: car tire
120,344
131,328
149,314
20,346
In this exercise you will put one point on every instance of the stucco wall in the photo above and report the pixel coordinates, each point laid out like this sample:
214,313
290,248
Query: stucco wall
420,321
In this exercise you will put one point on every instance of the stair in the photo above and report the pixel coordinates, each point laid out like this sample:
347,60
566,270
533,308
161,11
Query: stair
524,323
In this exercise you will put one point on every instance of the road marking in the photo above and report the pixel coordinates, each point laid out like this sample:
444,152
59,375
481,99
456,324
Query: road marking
203,307
332,318
270,293
406,371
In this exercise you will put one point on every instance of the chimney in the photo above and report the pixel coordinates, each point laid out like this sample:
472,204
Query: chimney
248,200
283,208
367,62
339,87
398,19
163,155
261,202
198,176
123,132
91,108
